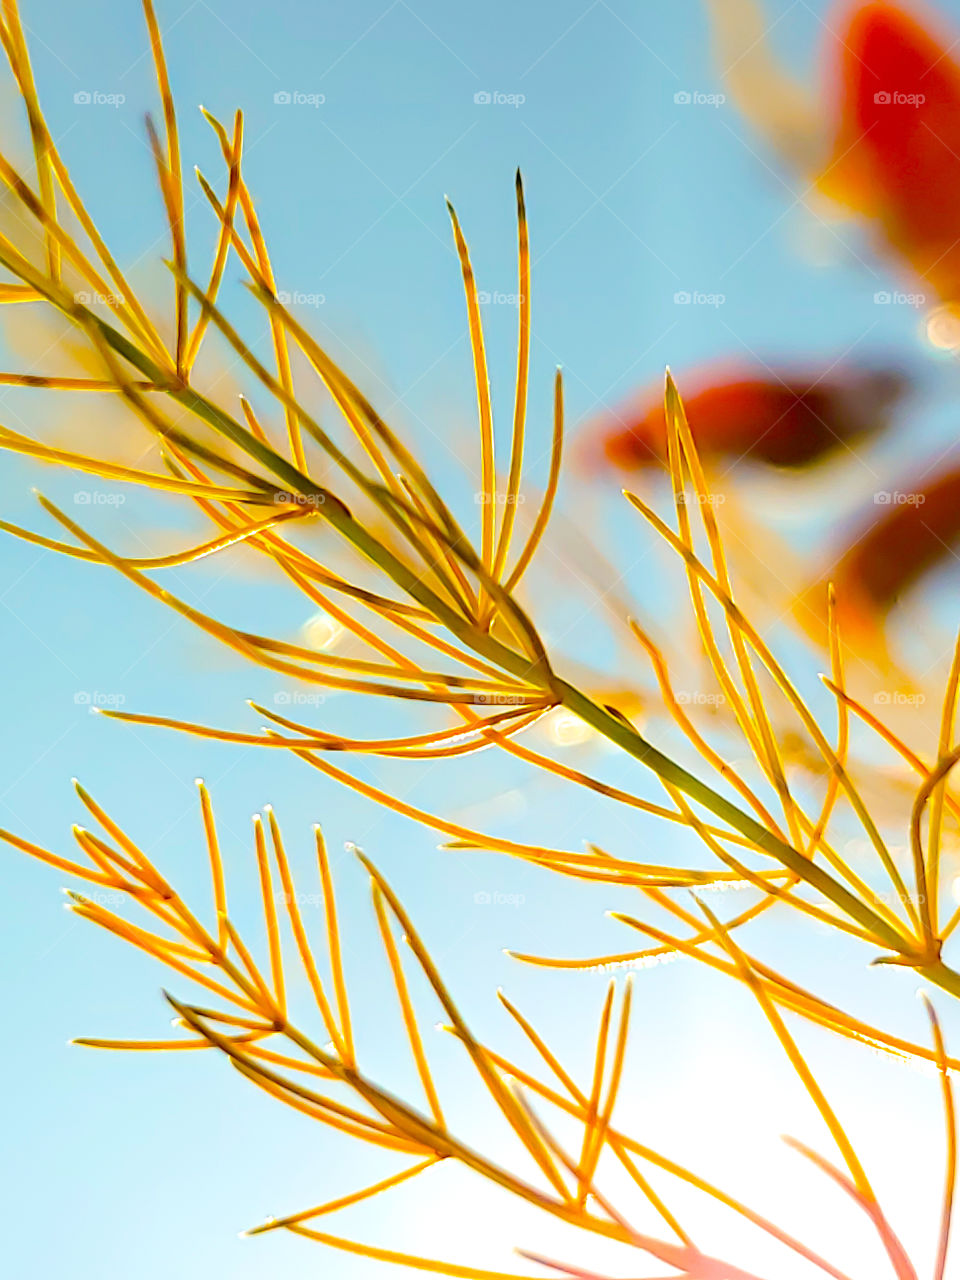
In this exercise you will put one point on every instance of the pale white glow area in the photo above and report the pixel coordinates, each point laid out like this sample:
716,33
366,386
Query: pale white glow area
322,631
565,729
720,1112
943,327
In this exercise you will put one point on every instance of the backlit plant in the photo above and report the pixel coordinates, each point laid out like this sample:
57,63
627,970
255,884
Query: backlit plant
442,621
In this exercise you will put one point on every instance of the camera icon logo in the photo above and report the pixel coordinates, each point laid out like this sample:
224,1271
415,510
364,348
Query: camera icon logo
282,98
682,98
882,298
482,98
82,98
682,299
882,98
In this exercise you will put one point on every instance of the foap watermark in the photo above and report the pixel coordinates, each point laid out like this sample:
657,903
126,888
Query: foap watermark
499,299
299,499
686,298
300,899
298,698
499,499
495,98
98,498
300,299
694,98
500,699
890,899
898,698
103,898
701,499
895,498
494,898
88,299
297,98
697,698
96,698
897,98
96,98
888,298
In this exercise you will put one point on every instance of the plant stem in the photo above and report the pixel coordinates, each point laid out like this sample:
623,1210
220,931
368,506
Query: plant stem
567,695
619,732
942,976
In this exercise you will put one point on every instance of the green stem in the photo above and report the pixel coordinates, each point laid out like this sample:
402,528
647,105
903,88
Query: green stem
610,726
942,976
329,506
619,732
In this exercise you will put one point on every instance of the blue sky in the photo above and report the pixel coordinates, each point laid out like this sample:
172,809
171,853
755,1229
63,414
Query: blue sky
146,1167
